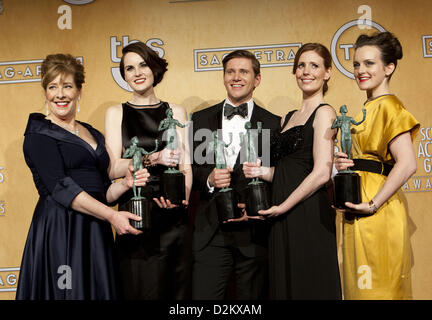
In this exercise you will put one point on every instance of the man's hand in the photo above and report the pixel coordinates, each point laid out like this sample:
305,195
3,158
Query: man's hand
220,178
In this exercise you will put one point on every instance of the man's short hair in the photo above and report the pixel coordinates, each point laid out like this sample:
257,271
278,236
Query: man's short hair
243,54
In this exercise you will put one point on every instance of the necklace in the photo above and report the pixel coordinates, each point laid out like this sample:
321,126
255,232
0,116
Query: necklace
144,105
75,132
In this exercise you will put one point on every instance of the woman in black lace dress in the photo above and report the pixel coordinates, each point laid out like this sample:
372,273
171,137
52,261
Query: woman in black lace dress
302,244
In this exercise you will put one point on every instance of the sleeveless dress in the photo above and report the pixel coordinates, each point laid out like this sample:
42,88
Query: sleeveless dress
302,244
376,249
68,254
155,264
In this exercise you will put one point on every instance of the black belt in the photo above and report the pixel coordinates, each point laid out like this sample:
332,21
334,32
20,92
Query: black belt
372,166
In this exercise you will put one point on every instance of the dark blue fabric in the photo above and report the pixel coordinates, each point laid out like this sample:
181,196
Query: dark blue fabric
63,242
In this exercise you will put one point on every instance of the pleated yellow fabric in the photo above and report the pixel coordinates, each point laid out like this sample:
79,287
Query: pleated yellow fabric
376,249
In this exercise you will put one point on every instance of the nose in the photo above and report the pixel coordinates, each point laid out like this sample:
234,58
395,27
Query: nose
236,76
361,68
306,69
137,72
60,94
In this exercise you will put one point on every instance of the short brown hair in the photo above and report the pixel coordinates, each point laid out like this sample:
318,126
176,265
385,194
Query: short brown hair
64,64
243,54
157,64
322,51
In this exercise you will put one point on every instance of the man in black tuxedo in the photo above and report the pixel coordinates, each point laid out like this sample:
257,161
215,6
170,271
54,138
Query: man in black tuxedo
238,246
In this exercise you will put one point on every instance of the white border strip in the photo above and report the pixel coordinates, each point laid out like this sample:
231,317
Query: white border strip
425,54
263,65
6,270
7,63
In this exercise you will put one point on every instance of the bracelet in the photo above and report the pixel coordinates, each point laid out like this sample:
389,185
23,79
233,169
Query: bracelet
373,206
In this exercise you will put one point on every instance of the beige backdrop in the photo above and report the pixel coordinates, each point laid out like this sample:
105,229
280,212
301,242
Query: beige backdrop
182,31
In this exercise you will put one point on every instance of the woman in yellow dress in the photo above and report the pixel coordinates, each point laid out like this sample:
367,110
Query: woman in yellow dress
376,244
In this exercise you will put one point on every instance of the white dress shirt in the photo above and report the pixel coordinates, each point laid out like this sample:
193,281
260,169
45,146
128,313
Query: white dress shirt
235,125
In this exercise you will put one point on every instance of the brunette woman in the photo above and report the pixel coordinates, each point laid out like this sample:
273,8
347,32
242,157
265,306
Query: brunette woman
157,263
302,246
376,246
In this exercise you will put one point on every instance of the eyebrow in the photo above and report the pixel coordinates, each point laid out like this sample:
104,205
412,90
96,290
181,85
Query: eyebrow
61,82
139,62
240,69
314,62
367,59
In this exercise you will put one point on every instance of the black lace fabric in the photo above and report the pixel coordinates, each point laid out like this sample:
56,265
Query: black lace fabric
286,143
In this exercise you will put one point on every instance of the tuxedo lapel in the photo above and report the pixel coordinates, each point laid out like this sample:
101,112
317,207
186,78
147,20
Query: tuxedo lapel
255,117
219,117
215,119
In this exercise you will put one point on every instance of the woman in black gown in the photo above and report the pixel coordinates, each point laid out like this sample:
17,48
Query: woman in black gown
302,245
157,263
69,248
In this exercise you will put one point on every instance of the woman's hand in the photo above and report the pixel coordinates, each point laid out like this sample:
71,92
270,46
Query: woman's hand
244,216
166,204
252,170
120,222
342,162
168,157
362,208
272,212
141,177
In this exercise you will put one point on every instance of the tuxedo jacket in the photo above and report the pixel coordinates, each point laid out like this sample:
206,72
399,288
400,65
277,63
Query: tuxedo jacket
251,236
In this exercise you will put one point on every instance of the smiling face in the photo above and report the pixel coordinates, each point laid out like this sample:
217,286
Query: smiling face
311,73
240,80
62,95
370,72
137,73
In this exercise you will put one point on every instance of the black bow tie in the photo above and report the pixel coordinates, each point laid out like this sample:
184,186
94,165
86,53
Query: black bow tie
230,111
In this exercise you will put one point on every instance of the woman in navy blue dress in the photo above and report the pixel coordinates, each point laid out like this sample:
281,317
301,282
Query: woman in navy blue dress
69,248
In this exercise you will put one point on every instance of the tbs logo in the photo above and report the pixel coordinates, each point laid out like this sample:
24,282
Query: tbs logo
342,45
116,46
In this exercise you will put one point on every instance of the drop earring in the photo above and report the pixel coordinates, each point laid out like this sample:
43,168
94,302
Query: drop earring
46,107
79,108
